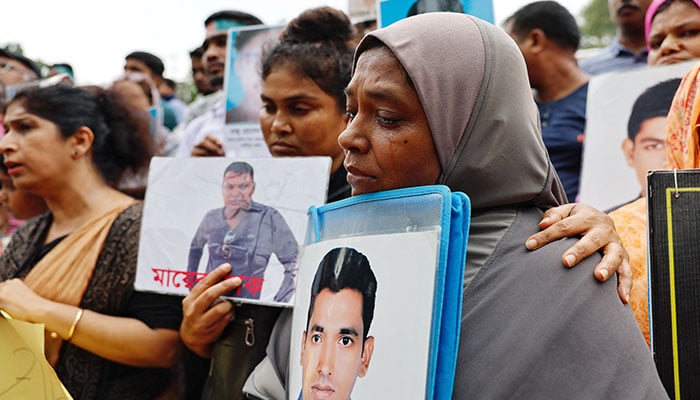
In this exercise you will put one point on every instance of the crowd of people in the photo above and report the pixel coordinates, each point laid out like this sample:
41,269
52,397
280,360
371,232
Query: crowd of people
496,112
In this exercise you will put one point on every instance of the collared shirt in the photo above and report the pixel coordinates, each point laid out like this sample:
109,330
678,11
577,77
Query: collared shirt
211,123
614,57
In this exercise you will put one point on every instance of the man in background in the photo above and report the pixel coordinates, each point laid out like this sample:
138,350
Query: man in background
548,37
145,63
628,48
202,136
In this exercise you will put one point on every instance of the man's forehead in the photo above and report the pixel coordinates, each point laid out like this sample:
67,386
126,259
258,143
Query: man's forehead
244,176
346,303
220,26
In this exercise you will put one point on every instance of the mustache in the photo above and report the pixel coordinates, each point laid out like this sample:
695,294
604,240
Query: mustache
627,6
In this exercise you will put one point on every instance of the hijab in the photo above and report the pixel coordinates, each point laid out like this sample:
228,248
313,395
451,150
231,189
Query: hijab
472,82
682,145
651,13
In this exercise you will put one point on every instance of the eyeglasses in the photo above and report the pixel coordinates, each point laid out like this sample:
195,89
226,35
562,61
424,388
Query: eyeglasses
6,67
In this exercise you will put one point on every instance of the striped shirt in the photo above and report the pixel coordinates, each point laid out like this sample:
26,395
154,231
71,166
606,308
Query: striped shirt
614,57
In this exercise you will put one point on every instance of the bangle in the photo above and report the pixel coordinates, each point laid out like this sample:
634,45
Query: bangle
71,331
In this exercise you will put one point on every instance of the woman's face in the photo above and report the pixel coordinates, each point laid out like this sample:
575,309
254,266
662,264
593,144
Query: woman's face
34,150
299,119
674,35
388,143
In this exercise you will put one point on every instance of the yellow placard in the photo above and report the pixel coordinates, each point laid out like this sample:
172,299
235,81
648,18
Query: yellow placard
24,371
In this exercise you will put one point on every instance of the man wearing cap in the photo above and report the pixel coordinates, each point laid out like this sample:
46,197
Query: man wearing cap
145,63
202,136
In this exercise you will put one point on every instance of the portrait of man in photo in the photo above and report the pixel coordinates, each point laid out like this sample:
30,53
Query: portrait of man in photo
336,347
245,234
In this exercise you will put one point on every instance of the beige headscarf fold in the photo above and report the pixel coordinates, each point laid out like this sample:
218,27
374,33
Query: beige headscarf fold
472,82
63,274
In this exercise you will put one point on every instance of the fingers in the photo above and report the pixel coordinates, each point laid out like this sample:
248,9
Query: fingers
210,280
616,260
555,214
209,147
204,315
556,229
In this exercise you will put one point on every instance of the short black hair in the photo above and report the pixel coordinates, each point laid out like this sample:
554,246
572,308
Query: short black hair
154,63
241,17
552,18
197,52
27,62
655,101
239,167
346,268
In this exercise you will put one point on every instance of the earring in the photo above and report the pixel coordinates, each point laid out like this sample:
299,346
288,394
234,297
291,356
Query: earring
75,153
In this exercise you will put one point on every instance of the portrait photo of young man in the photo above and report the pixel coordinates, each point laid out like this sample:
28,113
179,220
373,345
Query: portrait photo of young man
336,345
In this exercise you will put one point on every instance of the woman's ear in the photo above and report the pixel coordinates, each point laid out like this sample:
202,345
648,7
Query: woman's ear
81,141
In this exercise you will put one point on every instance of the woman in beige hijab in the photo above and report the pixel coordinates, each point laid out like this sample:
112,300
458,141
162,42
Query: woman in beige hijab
444,98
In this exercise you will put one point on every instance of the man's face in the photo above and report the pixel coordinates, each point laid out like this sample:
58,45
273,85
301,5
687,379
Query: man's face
200,78
628,14
133,65
332,352
214,58
237,191
648,151
524,44
13,72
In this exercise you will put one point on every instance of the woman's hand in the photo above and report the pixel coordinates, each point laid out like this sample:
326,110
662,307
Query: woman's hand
597,233
204,316
20,301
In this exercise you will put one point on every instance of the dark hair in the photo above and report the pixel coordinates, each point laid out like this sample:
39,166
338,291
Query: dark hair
121,137
655,101
316,44
346,268
197,52
239,167
154,63
27,62
241,17
552,18
170,83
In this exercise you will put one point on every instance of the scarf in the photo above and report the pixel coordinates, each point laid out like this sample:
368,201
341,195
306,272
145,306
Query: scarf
682,143
63,274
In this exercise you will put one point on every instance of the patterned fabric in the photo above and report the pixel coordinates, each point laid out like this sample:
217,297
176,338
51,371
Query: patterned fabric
631,224
62,275
86,375
683,119
682,153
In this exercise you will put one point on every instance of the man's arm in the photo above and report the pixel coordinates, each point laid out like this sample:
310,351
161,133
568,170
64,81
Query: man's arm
197,247
286,249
